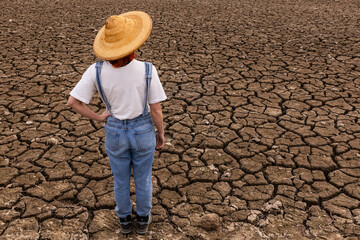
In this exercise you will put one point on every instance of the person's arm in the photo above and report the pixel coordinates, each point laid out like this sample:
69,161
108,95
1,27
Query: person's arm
82,109
157,116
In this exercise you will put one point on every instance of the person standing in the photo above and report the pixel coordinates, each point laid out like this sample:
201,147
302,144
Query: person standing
132,93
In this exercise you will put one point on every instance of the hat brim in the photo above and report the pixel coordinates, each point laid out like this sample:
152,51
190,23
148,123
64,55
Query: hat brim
132,39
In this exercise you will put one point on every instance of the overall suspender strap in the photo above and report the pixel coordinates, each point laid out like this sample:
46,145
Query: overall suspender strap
148,76
101,91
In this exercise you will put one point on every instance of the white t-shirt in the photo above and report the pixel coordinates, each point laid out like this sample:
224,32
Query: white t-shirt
124,88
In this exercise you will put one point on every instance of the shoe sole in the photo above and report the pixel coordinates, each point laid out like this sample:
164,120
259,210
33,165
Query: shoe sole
126,231
143,232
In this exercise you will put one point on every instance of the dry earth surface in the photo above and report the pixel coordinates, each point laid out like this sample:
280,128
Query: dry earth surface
262,120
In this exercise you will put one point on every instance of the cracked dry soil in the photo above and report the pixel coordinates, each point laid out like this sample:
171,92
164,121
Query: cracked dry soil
262,120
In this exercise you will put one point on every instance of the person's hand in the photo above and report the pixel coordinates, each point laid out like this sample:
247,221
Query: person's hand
104,116
160,140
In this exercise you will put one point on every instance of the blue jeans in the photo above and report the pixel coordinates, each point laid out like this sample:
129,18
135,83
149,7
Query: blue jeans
131,143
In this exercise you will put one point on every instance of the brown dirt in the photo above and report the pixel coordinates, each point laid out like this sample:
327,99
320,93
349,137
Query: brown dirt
262,120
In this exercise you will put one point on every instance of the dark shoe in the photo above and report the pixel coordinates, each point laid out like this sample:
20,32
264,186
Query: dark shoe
142,224
126,224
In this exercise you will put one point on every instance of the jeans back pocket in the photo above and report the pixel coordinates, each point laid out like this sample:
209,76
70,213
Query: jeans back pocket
112,139
145,138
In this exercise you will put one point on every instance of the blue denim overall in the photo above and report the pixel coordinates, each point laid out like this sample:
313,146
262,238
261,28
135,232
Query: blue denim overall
130,143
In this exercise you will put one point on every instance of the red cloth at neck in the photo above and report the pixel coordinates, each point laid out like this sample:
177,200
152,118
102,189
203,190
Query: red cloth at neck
123,61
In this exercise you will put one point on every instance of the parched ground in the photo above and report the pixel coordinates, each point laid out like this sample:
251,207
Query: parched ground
262,120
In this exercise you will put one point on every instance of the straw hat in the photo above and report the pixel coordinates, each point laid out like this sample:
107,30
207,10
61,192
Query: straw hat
122,35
